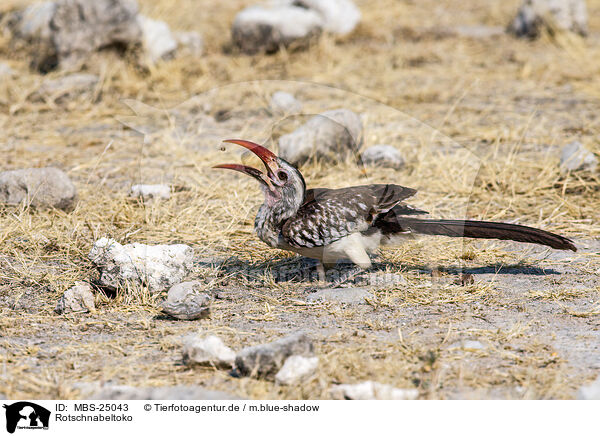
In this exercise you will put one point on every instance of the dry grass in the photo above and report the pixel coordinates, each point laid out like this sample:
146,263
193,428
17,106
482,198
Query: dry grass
492,114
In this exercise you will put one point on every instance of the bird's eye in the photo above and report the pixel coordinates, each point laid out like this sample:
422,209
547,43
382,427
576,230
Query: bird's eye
282,175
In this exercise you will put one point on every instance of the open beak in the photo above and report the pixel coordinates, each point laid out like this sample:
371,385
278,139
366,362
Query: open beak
265,155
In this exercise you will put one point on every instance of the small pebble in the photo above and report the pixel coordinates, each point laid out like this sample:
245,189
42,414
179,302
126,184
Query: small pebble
266,360
575,157
383,156
295,369
79,298
185,301
207,351
371,390
284,103
148,192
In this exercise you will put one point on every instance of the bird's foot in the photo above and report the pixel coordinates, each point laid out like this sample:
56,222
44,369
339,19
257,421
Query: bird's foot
346,275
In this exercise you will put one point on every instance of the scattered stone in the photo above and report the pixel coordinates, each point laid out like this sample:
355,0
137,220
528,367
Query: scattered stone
266,360
295,369
6,70
339,16
82,26
184,301
590,392
189,43
332,136
33,23
66,87
38,187
473,345
158,41
384,156
264,29
209,351
149,192
341,295
284,103
553,15
467,345
95,391
79,298
371,390
65,32
575,157
156,266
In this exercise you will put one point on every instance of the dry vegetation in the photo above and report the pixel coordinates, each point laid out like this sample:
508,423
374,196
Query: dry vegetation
495,111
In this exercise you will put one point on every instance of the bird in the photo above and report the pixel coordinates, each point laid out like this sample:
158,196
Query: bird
350,224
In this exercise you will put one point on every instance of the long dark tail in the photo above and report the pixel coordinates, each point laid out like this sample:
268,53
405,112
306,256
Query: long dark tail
474,229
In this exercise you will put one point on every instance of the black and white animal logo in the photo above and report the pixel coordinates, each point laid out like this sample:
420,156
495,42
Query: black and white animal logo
26,415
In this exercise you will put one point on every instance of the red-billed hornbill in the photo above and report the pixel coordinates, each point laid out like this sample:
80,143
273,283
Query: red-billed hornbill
349,223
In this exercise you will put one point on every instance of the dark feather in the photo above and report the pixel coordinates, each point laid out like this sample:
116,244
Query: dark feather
331,214
474,229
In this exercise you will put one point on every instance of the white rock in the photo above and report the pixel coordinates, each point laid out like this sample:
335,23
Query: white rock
284,103
79,298
370,390
156,266
265,29
295,369
265,360
332,135
207,351
64,32
563,15
473,345
339,16
468,345
159,42
190,43
39,187
590,392
186,301
35,21
6,70
181,291
148,192
384,156
575,157
65,87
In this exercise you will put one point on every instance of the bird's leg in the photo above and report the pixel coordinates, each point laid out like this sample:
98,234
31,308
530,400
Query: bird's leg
352,248
346,275
323,267
321,272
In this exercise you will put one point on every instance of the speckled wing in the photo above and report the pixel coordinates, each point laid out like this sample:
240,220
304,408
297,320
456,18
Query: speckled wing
331,214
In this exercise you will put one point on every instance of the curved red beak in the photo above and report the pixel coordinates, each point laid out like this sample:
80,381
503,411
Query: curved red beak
264,154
